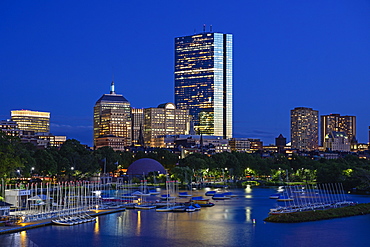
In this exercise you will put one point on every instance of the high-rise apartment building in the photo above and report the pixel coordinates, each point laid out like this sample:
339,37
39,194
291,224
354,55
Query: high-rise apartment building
338,123
304,128
203,81
36,121
164,120
112,121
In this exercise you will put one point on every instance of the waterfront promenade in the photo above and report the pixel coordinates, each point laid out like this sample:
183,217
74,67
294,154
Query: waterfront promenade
30,225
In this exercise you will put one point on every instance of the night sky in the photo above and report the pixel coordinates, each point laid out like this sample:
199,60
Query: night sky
60,56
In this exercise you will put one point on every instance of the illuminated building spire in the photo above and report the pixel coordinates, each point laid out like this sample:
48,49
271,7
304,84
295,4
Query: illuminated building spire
112,88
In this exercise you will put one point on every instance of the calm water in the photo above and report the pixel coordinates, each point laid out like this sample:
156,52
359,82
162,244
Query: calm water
229,223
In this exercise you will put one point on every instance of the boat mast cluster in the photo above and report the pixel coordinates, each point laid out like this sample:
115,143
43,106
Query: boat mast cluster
298,198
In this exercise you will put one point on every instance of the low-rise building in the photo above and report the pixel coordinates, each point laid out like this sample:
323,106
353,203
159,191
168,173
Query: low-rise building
337,141
242,145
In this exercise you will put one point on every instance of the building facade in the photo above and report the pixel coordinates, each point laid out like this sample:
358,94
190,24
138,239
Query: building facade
36,121
137,116
304,128
112,118
337,141
164,120
242,145
10,128
338,123
280,143
203,81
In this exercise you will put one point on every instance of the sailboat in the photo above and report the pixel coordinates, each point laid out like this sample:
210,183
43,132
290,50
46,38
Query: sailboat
169,206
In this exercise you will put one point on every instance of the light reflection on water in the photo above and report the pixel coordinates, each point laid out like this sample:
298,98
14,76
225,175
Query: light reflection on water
229,223
23,238
248,213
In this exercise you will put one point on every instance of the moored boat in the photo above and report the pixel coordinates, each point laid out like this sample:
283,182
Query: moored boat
284,199
211,193
190,208
145,207
220,197
154,192
202,202
167,197
275,196
184,194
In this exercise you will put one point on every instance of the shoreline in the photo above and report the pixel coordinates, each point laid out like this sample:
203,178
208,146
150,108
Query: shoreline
30,225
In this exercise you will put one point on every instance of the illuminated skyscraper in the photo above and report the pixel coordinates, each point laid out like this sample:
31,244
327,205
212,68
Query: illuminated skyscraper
112,121
304,128
203,81
32,120
338,123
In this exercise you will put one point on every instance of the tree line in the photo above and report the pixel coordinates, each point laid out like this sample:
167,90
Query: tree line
74,160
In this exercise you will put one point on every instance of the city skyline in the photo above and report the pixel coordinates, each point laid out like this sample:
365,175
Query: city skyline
58,59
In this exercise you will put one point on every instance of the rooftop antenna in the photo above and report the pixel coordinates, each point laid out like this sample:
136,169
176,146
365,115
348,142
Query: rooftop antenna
204,28
210,28
112,84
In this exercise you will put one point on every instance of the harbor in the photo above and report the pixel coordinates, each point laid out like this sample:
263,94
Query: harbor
238,221
72,203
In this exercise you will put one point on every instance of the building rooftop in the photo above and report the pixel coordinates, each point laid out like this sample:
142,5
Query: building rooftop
112,98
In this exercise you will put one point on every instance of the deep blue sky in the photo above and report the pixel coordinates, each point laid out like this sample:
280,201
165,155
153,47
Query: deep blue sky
59,56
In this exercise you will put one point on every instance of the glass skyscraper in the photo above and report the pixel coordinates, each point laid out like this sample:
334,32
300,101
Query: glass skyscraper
203,81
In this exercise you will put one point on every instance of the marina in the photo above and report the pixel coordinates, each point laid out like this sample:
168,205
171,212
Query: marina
238,221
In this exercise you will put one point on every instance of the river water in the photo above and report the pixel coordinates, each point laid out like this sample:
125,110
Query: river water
229,223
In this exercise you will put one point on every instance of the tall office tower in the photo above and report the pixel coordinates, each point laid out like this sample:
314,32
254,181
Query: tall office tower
137,116
203,81
338,123
32,120
112,121
164,120
304,128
